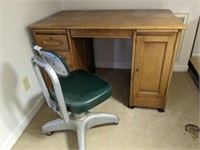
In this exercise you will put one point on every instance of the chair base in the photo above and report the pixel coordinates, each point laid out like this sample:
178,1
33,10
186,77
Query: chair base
80,123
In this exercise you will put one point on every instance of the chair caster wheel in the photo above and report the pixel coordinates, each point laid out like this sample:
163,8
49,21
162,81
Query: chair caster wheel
49,133
116,123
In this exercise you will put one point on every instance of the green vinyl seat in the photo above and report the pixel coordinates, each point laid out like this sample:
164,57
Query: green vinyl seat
82,91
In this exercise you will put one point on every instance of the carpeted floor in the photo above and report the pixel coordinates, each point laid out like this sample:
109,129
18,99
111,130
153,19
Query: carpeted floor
139,128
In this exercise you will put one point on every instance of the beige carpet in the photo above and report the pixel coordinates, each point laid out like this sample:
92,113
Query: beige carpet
139,128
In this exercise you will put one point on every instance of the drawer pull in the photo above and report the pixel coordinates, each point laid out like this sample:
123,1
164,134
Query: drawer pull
50,42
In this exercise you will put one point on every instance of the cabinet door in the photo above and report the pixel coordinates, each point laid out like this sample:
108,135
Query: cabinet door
153,61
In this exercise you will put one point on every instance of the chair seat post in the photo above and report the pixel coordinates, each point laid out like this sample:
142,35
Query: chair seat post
80,116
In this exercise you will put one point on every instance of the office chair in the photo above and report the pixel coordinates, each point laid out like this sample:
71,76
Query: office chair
71,95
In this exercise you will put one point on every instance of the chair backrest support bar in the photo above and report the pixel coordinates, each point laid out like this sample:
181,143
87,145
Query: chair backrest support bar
39,62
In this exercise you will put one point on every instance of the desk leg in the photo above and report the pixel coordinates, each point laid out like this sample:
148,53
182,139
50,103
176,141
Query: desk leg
160,110
131,107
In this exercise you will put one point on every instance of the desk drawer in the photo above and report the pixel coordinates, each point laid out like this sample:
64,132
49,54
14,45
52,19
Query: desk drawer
52,39
66,56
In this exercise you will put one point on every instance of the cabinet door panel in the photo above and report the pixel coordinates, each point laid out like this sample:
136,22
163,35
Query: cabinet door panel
153,58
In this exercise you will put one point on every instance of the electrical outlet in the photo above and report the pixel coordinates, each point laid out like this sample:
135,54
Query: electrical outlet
26,83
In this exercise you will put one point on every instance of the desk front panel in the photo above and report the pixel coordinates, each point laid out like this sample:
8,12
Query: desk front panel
101,33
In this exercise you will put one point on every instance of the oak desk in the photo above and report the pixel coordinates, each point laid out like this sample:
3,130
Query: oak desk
155,36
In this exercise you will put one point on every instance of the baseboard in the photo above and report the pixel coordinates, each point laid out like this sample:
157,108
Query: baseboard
116,65
121,65
11,140
195,55
180,68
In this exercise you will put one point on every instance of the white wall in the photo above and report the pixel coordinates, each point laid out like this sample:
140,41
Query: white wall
192,7
17,106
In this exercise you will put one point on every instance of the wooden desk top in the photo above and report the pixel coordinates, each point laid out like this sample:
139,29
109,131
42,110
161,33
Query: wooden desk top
111,19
